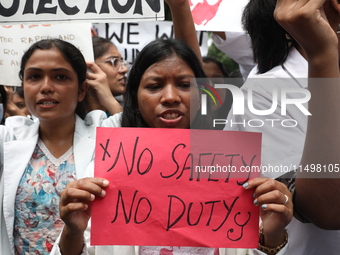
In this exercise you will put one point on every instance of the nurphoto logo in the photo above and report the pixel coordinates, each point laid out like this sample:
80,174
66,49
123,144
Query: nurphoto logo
280,100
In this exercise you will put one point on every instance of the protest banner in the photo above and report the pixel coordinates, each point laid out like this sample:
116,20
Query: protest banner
131,37
161,192
218,15
16,39
21,11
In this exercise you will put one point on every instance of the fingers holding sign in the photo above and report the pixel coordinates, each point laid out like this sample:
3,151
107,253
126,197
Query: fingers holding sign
276,205
76,199
75,211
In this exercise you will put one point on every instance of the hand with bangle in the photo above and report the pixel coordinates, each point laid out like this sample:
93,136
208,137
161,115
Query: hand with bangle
276,205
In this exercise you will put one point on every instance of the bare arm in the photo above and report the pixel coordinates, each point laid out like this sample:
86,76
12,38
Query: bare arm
317,197
184,24
101,93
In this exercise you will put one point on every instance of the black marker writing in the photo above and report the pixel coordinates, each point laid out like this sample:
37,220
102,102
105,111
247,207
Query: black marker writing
128,216
240,225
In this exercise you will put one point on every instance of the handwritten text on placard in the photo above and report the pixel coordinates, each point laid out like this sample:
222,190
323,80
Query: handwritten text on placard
156,196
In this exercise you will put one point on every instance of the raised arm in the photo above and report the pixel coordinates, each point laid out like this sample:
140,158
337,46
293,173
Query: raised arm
100,90
184,24
317,197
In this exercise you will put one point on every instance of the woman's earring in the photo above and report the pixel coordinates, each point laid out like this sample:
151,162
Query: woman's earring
288,37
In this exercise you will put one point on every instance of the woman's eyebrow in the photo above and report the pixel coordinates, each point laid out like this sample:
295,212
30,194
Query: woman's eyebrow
54,69
114,57
156,77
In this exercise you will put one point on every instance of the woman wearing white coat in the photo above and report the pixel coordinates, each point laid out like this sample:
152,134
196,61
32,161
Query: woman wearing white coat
41,156
159,94
55,81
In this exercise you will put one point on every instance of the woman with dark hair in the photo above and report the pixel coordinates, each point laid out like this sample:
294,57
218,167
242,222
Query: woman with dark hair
66,50
171,52
108,82
162,93
110,61
270,42
42,155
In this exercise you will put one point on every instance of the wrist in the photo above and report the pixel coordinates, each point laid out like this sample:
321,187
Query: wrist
67,231
71,241
272,241
270,244
325,64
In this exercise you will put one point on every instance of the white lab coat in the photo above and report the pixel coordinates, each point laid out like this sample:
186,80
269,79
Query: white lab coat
20,136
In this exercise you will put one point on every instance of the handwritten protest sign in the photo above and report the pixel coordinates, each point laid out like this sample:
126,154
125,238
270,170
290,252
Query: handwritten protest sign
16,39
20,11
131,37
160,194
218,15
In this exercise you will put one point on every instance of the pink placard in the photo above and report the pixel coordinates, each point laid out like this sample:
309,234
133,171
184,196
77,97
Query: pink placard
176,187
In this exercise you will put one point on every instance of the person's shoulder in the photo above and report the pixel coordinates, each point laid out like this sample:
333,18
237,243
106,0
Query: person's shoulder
95,118
273,78
21,124
15,121
99,118
275,72
19,127
113,121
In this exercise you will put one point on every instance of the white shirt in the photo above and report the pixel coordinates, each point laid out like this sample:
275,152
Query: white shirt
237,46
283,146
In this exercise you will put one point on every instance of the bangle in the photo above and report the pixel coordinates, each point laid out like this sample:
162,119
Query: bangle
271,251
